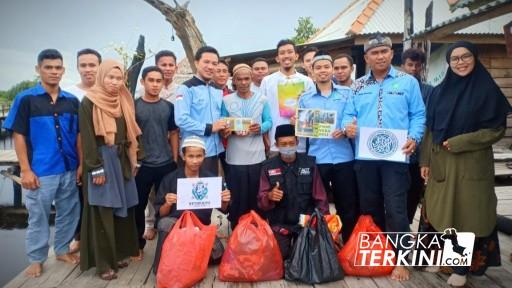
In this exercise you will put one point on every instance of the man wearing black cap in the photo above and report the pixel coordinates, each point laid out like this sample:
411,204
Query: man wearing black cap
385,99
290,185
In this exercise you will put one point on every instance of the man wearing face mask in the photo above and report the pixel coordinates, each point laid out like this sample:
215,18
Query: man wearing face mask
290,185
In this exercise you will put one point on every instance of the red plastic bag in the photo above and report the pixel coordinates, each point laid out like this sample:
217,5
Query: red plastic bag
252,253
348,257
185,253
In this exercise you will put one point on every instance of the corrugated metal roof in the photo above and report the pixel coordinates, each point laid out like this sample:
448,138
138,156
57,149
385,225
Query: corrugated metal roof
461,4
468,3
340,25
492,26
389,18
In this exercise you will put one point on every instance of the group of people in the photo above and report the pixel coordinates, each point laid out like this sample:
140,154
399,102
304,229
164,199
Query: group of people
94,146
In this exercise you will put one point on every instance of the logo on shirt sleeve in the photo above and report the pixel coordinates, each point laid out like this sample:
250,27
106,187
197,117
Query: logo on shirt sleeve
179,97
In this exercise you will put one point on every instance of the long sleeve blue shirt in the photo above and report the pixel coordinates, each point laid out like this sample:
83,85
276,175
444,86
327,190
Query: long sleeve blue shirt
329,151
393,103
198,106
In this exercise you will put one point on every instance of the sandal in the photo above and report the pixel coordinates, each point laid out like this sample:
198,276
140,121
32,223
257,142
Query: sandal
108,276
122,264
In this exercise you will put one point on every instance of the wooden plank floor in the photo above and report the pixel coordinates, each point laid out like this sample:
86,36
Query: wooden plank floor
504,195
138,274
501,169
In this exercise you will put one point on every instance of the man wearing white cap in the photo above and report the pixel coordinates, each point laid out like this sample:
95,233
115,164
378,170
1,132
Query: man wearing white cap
245,150
194,151
334,155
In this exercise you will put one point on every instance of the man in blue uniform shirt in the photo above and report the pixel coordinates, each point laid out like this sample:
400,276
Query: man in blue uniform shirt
334,156
198,107
388,99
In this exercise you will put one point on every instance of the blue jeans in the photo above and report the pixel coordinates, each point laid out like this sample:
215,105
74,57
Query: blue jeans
61,190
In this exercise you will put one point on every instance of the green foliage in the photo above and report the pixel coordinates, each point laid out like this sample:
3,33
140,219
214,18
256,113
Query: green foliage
126,55
304,30
17,88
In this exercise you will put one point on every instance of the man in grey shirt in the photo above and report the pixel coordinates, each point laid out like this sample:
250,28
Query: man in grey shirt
245,151
155,117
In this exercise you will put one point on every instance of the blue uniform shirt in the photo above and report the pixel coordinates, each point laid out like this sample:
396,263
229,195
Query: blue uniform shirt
50,129
394,103
198,106
329,151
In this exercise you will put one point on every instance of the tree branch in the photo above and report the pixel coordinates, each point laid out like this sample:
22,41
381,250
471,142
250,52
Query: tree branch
183,22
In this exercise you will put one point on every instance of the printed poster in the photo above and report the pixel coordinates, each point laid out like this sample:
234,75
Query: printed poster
238,124
382,144
315,123
199,193
288,94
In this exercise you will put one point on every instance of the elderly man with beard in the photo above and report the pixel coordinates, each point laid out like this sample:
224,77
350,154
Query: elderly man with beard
245,150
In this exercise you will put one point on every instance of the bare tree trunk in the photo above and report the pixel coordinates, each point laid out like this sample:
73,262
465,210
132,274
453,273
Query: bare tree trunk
408,24
137,62
184,24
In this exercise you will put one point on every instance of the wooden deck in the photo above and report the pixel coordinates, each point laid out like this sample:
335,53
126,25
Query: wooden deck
138,274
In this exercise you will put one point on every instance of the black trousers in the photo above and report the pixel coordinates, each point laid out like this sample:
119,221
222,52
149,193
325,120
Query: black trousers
416,190
79,225
146,178
223,163
340,179
211,164
383,188
244,183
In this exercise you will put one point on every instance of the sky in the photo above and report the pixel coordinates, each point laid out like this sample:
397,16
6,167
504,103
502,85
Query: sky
231,26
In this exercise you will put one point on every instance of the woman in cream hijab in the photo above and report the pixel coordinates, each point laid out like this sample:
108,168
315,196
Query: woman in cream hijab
110,154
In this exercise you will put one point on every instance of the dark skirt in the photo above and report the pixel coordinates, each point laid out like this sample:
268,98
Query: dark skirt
486,252
108,231
116,193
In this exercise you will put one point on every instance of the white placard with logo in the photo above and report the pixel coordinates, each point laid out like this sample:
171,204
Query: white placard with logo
382,144
199,193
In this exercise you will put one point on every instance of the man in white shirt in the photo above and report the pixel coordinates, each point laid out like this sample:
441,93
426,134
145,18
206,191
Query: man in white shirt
166,61
283,89
87,62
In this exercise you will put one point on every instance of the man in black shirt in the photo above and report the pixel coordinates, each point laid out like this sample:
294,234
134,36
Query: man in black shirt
155,117
194,152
